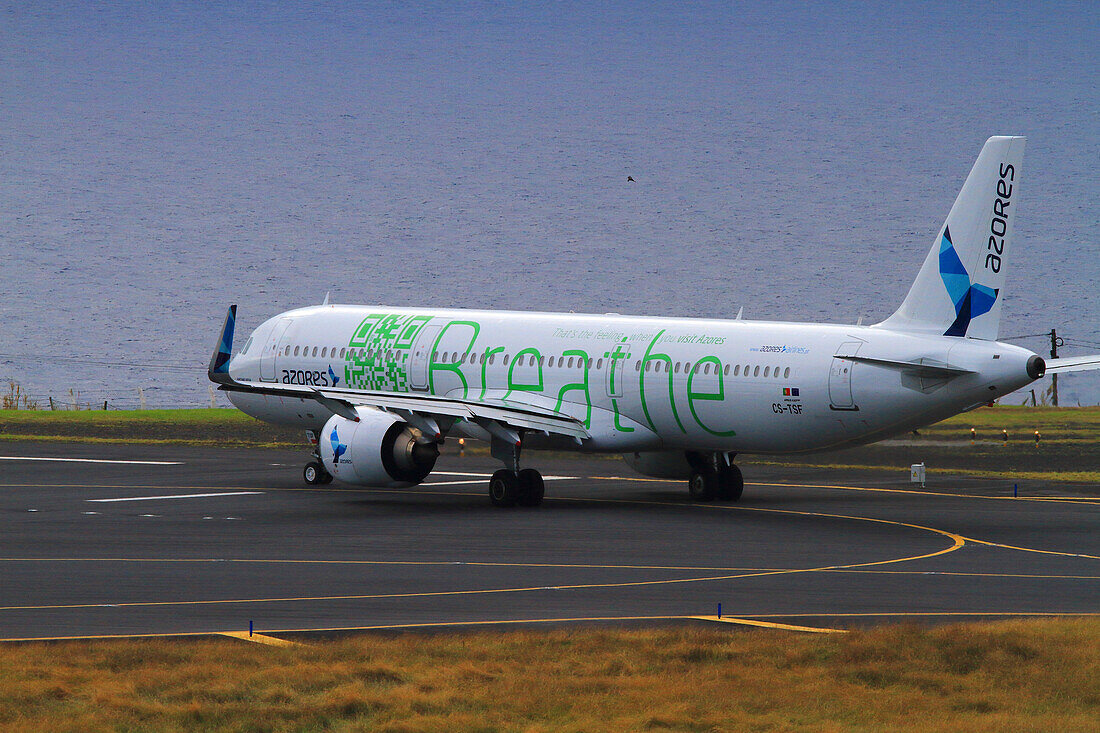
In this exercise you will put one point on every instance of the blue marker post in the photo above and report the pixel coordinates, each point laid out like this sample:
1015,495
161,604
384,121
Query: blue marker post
1015,490
250,627
719,610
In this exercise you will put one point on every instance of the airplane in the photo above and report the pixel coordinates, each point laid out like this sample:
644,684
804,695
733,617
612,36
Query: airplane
378,389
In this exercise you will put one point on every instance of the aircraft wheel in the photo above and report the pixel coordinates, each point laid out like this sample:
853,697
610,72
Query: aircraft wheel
731,483
701,485
314,473
504,488
531,487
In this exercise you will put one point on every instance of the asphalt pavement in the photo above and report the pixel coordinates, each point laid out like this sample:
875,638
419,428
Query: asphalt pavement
112,539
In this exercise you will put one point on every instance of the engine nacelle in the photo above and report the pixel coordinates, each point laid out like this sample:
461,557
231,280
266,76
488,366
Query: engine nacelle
379,450
670,464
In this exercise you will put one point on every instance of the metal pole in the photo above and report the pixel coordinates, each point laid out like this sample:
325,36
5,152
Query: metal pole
1054,377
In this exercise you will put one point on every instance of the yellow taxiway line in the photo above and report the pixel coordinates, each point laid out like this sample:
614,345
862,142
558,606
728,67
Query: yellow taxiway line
259,638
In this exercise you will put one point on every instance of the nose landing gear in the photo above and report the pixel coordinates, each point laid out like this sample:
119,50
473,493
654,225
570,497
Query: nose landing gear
315,474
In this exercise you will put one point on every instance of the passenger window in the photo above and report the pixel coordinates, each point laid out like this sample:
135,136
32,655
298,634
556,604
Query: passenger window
504,361
726,371
569,363
766,371
454,357
756,372
775,372
296,350
677,368
561,361
342,353
786,372
706,368
736,370
590,362
599,363
287,350
324,351
638,366
541,360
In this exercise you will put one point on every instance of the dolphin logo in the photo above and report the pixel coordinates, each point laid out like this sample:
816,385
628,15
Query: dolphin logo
338,448
332,376
970,300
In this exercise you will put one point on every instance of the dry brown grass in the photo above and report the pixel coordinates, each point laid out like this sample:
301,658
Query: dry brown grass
1017,675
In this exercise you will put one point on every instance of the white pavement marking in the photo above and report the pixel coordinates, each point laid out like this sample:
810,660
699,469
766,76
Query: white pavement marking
458,473
489,475
178,496
91,460
480,481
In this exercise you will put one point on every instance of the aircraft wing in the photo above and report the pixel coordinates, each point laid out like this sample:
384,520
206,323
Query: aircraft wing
344,401
421,410
1073,364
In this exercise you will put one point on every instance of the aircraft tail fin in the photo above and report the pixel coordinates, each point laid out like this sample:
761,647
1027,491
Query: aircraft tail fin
960,287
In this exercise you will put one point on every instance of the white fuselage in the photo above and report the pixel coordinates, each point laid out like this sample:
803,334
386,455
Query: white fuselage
636,383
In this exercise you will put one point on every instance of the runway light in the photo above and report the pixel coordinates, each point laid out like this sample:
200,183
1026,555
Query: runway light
1037,436
1004,435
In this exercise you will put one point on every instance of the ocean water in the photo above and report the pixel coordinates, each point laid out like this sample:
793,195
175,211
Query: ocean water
159,161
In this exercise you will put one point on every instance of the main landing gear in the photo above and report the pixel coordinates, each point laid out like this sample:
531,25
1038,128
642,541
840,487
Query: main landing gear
509,488
715,476
513,486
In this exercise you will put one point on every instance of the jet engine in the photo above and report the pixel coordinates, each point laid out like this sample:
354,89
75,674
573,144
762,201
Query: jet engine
378,450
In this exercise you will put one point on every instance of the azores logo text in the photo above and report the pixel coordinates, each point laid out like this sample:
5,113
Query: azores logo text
970,300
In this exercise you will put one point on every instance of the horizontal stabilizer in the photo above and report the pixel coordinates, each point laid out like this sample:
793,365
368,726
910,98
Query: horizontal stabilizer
1073,364
918,368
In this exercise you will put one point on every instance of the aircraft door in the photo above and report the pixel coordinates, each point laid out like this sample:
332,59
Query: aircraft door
271,350
421,353
616,369
840,377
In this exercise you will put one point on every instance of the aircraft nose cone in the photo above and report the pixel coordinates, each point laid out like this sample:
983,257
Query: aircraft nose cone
1036,367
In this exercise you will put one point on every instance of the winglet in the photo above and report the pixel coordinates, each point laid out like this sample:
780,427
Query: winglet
218,371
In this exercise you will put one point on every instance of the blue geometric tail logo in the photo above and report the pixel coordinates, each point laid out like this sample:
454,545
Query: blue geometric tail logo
332,376
970,301
338,448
